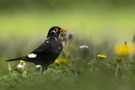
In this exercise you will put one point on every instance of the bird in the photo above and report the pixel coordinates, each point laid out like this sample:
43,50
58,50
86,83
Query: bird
47,52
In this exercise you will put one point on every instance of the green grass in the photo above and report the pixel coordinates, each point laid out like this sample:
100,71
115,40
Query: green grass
84,70
21,32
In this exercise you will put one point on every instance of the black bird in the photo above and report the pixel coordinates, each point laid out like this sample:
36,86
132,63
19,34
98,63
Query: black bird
46,53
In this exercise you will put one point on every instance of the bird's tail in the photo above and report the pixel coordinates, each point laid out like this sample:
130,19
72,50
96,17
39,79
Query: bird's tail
15,59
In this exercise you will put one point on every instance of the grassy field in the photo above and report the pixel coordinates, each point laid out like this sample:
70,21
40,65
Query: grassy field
98,67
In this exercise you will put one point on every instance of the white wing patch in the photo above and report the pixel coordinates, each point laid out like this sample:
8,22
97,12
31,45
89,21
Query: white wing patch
32,55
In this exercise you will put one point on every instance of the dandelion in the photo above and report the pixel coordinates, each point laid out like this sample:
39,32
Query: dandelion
21,64
119,59
61,61
83,46
101,56
124,49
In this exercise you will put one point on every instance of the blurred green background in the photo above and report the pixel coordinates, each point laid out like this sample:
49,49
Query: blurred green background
93,18
25,23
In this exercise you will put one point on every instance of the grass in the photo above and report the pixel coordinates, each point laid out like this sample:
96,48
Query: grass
84,70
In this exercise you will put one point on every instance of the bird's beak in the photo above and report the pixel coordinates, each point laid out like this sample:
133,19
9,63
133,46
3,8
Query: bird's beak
63,30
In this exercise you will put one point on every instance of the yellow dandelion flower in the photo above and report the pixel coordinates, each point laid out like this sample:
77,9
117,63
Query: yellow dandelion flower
61,61
124,49
21,61
119,59
21,64
101,56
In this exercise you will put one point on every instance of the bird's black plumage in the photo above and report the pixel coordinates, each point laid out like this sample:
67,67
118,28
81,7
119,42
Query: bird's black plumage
45,54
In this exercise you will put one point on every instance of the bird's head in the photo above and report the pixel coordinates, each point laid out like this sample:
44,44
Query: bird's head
55,31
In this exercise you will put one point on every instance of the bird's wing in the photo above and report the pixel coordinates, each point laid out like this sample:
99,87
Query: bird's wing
42,48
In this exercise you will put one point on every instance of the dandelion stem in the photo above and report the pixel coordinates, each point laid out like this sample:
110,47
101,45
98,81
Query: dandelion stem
92,64
9,67
117,68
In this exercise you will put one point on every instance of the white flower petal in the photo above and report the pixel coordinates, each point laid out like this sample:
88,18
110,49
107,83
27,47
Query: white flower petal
83,46
38,66
20,66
